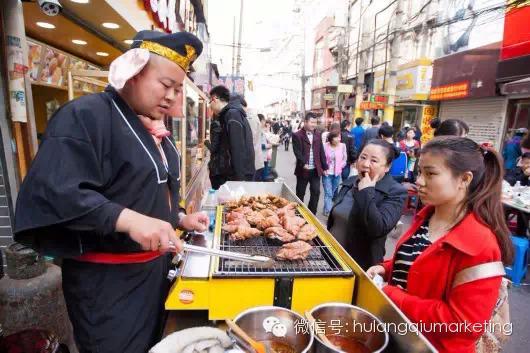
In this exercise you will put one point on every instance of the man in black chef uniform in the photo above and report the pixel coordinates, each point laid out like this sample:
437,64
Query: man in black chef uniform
103,193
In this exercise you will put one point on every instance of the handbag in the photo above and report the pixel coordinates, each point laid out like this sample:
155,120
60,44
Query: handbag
491,341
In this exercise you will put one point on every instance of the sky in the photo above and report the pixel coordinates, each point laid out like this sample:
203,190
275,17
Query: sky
266,26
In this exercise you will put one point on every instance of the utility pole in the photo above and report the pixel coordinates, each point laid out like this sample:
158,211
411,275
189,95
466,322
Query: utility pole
238,63
359,89
343,56
394,62
303,77
234,48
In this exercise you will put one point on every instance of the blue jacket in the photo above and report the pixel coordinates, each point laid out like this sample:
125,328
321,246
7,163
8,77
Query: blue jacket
358,135
512,151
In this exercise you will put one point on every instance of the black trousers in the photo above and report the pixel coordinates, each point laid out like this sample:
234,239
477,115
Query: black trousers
286,143
116,308
314,189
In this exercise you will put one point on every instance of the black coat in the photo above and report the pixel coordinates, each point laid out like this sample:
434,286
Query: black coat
349,141
96,159
375,212
516,175
219,163
236,141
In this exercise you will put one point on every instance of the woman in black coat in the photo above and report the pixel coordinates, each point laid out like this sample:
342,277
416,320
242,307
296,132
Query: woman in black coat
368,206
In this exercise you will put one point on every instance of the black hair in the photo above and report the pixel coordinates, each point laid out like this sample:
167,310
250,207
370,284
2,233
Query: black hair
334,126
359,121
221,92
332,135
435,123
452,127
390,151
261,117
344,124
240,98
526,155
375,120
310,115
386,131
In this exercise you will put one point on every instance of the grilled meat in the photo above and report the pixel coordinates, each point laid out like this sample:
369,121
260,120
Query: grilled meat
299,250
273,221
255,218
232,226
307,232
243,209
268,213
287,210
234,215
243,233
279,233
292,224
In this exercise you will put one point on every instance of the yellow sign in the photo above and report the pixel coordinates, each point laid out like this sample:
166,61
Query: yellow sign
405,82
427,132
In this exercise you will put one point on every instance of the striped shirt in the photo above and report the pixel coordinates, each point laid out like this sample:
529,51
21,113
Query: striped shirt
407,253
311,163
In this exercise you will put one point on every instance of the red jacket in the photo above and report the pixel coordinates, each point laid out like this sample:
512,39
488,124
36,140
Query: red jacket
429,297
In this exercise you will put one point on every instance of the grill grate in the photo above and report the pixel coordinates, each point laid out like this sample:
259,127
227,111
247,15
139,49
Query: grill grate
320,262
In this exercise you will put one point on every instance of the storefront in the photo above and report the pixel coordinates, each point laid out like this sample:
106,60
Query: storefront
323,103
412,105
513,74
464,84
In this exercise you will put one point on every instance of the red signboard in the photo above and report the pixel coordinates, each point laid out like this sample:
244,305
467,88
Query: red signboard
452,91
516,41
372,105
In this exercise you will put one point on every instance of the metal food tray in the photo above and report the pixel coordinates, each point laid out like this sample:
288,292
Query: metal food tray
321,261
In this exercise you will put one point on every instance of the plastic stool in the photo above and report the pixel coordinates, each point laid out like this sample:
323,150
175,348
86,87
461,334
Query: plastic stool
518,269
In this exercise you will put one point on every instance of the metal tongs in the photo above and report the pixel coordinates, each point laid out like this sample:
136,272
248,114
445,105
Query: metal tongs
227,254
257,259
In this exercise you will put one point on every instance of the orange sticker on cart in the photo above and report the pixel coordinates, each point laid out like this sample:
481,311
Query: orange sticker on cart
186,296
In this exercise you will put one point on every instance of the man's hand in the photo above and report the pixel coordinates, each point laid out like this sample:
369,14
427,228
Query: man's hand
151,233
306,166
196,221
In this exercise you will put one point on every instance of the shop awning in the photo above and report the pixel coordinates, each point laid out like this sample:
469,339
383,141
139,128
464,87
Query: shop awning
516,87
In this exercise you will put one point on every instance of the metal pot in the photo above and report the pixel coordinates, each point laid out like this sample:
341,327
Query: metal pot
271,323
348,321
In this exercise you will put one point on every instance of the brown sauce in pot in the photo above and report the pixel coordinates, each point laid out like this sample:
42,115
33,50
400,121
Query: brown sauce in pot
348,344
278,347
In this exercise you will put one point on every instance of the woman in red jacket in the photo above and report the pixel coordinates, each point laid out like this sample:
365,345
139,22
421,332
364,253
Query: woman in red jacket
462,226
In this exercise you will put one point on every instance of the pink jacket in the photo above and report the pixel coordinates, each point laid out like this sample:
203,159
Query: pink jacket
341,158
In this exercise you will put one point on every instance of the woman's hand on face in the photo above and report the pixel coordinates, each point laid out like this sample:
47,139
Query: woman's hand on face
366,181
375,270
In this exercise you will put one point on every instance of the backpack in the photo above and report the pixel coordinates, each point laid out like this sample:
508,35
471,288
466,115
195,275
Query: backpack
490,342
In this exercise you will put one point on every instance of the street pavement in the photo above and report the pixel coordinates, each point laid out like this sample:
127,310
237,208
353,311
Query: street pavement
519,297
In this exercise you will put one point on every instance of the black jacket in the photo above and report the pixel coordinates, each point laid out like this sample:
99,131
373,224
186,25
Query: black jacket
347,139
375,212
219,163
516,175
236,141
